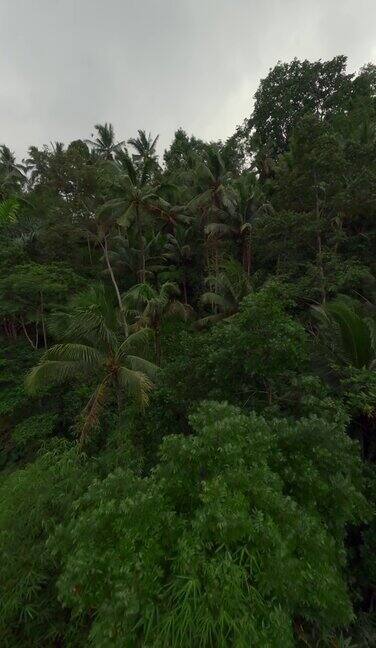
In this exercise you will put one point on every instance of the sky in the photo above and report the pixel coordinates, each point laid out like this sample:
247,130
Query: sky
158,65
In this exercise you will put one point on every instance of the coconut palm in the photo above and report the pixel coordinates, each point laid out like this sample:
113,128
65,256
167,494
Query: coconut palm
227,290
8,164
99,228
353,334
214,201
179,252
246,194
96,348
152,307
145,147
247,202
135,200
12,174
125,255
104,145
8,211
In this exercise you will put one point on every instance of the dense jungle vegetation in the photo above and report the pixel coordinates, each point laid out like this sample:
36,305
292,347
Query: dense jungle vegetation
188,384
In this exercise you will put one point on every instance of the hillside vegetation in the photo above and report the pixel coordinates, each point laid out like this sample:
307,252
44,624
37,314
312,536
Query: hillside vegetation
188,380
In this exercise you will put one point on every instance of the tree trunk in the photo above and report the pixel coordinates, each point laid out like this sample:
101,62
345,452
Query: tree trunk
120,402
27,335
321,267
104,247
185,291
89,249
247,255
157,346
14,329
43,320
319,244
142,269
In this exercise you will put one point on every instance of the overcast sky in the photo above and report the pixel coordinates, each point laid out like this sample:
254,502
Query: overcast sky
66,65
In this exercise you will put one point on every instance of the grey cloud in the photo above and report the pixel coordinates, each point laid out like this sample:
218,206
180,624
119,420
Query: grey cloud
157,64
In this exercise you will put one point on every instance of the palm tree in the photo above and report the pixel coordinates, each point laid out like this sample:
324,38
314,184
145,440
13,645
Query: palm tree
37,164
247,201
8,164
215,200
179,252
354,335
96,348
104,145
152,307
136,198
227,290
12,174
125,255
99,228
145,146
8,211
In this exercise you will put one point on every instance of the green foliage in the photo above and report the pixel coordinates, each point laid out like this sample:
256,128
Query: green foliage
32,502
248,521
246,359
357,333
33,430
97,349
292,90
248,517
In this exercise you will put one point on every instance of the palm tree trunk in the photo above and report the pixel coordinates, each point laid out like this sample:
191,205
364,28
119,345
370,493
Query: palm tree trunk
185,291
111,272
89,249
157,346
321,266
27,335
120,402
247,255
43,320
319,243
142,270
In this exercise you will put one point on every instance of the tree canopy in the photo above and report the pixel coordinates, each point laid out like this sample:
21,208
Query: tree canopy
188,379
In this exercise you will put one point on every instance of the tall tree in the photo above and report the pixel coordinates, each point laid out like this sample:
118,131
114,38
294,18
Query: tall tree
154,306
145,147
213,200
95,348
135,200
105,145
290,91
227,290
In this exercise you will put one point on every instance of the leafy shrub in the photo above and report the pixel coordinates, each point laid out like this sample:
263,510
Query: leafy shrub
32,501
238,531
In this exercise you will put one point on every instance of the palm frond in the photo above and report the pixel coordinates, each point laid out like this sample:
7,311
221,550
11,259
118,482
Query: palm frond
178,309
354,332
51,372
135,341
203,322
139,295
140,364
137,384
214,299
8,211
83,354
89,417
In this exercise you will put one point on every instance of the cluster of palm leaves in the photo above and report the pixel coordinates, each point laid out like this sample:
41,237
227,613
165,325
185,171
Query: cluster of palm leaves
352,333
95,348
